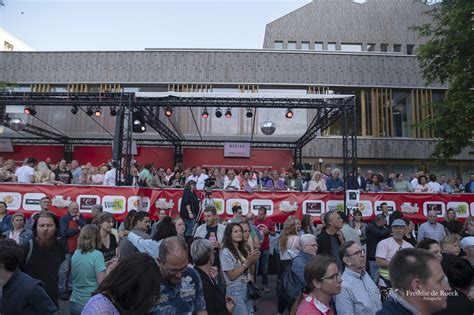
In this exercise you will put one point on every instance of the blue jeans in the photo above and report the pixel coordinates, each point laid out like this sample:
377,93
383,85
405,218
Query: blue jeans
65,278
243,305
263,265
189,224
374,272
75,308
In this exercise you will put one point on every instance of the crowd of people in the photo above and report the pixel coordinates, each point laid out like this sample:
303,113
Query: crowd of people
151,176
176,266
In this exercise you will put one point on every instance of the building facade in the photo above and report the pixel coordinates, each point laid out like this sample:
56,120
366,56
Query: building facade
327,46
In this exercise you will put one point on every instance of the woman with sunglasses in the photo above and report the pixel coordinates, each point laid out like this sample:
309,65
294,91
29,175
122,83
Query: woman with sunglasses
323,282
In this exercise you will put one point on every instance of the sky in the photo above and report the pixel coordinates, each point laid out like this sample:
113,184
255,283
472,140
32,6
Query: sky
63,25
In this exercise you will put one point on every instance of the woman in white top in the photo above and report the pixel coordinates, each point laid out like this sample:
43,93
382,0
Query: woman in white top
18,233
317,183
289,248
423,186
231,182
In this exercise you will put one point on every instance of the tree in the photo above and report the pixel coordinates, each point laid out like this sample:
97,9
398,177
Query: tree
448,58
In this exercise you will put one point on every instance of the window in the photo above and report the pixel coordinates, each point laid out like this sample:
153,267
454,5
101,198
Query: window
351,47
305,45
410,49
397,48
318,45
278,44
7,46
370,47
402,120
383,47
331,46
291,45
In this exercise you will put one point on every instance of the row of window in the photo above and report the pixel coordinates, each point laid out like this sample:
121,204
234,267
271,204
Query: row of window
350,47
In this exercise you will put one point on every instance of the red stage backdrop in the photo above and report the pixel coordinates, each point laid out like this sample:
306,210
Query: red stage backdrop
120,200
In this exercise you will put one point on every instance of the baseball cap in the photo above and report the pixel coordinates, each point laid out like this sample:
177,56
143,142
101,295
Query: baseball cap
399,222
467,241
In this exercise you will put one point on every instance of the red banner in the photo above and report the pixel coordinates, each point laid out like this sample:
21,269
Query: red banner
120,200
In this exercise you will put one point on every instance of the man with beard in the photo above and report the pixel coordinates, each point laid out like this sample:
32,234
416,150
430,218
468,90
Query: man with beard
62,173
181,287
45,203
44,253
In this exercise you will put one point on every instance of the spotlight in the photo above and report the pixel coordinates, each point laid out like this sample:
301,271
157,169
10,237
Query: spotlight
74,110
218,112
289,113
168,111
89,111
138,123
98,112
30,110
205,113
113,111
249,113
228,113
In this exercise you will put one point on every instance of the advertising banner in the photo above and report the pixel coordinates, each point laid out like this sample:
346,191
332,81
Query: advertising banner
120,200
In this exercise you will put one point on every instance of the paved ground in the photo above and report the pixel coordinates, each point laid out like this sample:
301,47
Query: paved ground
267,305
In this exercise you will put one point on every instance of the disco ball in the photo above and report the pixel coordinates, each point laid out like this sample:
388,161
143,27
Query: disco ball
17,124
268,127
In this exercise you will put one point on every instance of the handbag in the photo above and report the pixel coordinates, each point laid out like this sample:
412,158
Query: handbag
253,292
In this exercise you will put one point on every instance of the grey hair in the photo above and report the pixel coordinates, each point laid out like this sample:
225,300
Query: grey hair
201,251
305,238
171,245
336,170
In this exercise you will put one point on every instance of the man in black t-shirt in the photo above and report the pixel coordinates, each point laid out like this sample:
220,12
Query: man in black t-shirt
45,253
62,173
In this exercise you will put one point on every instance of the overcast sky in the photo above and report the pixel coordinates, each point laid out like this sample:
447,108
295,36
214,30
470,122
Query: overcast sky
136,25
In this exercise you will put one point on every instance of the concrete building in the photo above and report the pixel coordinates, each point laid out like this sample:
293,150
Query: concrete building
9,42
344,46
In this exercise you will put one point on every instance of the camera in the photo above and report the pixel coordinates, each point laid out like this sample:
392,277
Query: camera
209,182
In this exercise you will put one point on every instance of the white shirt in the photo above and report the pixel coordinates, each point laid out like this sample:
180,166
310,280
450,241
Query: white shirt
235,183
199,180
23,174
109,178
435,186
414,183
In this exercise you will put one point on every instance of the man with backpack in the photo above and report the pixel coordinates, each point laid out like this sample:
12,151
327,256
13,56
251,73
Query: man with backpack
292,279
44,253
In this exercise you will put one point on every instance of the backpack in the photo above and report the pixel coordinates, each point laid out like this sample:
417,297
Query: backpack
289,287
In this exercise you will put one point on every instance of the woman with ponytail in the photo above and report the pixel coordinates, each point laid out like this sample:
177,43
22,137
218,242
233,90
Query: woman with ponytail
323,282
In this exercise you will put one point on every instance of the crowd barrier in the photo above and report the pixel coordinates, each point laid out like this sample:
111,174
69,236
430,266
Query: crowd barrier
119,200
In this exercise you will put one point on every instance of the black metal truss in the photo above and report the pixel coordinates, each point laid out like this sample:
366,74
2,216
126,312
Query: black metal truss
152,119
349,142
113,99
38,131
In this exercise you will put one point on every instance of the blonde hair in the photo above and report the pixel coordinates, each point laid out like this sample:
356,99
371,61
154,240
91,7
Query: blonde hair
88,238
314,175
449,239
289,229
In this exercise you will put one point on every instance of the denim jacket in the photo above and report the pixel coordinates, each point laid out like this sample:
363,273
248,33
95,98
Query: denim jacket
25,236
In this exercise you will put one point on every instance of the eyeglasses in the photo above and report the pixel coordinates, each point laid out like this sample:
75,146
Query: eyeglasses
313,245
334,277
359,253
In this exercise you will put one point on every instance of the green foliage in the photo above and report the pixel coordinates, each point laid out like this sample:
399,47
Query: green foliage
448,58
5,86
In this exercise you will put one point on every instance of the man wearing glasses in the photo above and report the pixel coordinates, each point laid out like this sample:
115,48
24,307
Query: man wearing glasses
181,289
359,294
387,248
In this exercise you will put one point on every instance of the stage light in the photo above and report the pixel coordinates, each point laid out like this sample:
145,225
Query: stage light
138,123
289,113
30,110
218,112
205,113
228,113
89,111
113,111
74,110
249,113
98,112
168,111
